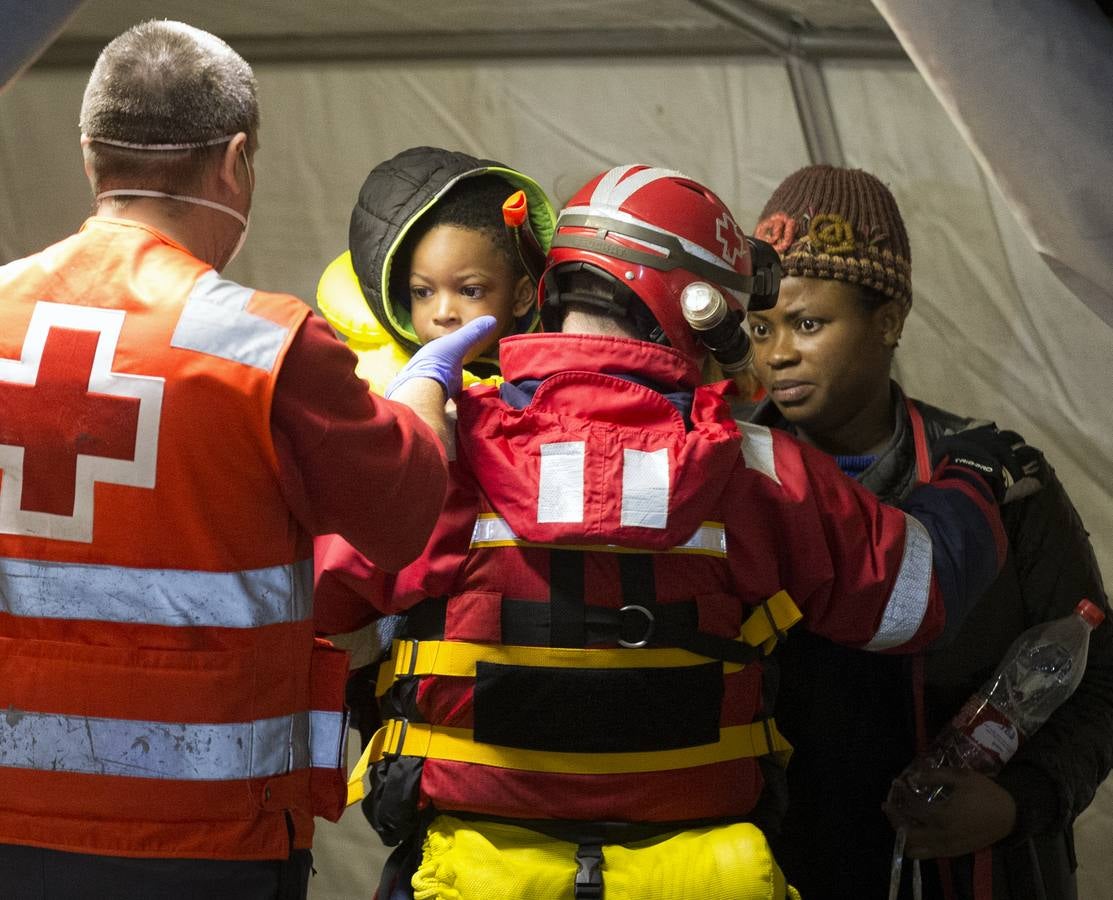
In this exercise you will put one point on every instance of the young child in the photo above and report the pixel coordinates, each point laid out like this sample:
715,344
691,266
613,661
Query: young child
429,251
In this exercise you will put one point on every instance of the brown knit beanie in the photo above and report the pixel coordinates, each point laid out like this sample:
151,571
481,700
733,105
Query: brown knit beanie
844,224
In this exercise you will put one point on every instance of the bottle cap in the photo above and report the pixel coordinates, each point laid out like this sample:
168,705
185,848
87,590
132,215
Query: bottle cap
1090,612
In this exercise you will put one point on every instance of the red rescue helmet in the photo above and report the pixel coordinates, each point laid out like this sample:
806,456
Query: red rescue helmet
638,233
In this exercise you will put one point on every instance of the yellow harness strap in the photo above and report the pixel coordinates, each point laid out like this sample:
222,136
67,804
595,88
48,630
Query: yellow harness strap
762,628
399,737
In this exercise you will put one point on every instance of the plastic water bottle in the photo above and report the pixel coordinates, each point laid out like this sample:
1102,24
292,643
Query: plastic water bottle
1039,672
1041,669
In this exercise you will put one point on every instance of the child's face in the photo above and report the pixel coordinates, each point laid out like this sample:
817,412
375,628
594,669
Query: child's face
457,274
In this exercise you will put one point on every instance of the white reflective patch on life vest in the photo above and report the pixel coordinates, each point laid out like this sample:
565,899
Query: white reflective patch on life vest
215,321
136,427
328,739
908,601
491,530
560,493
757,449
645,488
171,597
180,751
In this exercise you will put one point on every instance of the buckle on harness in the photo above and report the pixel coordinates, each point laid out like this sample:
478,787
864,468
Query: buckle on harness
648,627
396,737
589,875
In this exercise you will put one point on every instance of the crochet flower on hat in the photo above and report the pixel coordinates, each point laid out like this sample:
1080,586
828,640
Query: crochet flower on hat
831,233
778,230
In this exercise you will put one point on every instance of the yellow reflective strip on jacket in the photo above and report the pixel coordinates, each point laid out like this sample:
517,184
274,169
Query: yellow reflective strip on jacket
477,860
491,530
403,738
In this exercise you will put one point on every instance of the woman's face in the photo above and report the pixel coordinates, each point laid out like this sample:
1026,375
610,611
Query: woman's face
824,358
457,274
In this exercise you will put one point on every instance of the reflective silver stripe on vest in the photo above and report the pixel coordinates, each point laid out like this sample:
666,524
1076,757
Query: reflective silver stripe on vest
757,449
185,752
909,600
493,531
560,493
328,739
174,597
645,488
215,320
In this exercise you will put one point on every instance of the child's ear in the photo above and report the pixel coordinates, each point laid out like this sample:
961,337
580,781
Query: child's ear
524,292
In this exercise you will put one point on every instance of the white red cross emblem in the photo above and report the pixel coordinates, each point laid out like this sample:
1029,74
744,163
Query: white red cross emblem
70,421
731,237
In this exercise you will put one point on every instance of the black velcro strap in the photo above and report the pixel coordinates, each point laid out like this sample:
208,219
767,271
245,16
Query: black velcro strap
597,710
425,620
566,599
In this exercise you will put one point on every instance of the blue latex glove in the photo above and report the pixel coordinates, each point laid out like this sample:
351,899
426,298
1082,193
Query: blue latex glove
442,359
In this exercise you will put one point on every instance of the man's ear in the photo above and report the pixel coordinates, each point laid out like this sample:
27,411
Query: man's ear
525,292
229,161
87,160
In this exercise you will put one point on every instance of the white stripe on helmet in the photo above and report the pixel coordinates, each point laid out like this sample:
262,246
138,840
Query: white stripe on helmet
614,189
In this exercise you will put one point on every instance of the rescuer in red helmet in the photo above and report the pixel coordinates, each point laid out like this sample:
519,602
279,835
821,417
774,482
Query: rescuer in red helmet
577,707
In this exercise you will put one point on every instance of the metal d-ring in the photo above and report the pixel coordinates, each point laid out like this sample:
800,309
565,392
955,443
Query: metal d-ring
633,645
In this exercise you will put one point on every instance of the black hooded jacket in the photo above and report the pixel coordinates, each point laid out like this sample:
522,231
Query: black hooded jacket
850,715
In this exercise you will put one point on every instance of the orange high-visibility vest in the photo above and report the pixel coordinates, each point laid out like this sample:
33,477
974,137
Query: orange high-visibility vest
161,691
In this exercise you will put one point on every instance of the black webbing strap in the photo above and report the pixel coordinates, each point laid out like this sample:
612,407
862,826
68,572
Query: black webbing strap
635,573
566,599
567,621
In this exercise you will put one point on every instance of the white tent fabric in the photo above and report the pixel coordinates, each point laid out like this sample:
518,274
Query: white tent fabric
1027,84
992,331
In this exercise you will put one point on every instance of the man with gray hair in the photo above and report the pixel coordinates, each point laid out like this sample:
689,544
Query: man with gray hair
170,442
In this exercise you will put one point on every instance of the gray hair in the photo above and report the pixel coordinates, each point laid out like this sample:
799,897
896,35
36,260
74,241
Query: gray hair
165,83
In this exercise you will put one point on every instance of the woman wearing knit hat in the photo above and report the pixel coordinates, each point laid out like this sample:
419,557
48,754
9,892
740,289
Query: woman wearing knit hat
824,355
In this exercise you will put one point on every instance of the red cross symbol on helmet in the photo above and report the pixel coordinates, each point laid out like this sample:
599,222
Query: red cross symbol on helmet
77,422
731,237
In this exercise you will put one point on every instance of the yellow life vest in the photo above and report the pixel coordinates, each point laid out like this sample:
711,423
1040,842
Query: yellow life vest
342,303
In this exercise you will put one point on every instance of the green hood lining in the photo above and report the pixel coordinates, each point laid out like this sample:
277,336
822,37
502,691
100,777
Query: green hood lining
542,218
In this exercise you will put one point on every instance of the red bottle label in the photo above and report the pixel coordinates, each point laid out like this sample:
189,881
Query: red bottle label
990,729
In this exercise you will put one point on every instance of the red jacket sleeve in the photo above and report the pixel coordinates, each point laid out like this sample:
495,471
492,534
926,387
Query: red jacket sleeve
351,462
866,574
351,591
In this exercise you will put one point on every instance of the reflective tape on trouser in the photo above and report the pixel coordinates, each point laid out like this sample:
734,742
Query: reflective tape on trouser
328,739
52,742
173,597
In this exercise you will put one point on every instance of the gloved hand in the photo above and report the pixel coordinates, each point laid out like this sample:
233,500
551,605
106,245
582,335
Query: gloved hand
442,359
1001,458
